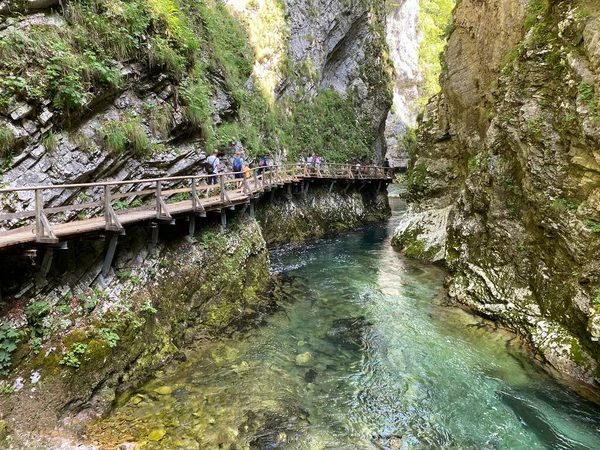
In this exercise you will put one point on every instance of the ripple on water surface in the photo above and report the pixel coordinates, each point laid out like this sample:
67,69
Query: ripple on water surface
369,356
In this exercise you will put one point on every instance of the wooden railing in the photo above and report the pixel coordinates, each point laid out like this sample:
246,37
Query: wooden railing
113,199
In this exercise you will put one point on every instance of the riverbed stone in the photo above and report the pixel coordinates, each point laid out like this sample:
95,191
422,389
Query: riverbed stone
157,434
164,390
304,359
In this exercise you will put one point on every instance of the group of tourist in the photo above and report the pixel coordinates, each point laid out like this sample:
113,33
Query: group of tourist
241,167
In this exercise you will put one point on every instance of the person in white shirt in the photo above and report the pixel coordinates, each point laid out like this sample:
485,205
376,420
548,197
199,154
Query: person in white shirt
214,161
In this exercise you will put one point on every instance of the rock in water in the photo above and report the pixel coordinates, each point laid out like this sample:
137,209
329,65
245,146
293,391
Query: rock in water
163,390
157,434
303,359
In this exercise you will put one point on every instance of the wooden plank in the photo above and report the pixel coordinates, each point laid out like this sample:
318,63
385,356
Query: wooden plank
17,215
74,207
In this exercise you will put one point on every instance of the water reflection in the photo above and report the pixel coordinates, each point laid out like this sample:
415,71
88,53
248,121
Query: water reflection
368,356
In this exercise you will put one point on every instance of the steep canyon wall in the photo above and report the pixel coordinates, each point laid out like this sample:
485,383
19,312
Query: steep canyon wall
504,183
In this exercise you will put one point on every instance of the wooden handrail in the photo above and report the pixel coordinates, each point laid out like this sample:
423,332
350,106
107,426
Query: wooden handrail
270,177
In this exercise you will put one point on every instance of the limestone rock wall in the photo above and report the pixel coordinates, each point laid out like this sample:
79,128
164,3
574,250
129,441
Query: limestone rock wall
298,44
403,41
508,154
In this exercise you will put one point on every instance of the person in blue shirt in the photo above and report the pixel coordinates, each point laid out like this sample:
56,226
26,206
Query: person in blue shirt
263,163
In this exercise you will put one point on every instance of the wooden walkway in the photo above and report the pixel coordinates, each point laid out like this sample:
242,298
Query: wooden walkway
122,203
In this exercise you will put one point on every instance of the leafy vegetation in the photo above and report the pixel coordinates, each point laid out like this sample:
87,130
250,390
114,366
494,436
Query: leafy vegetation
7,140
535,8
9,338
592,225
71,358
435,20
126,133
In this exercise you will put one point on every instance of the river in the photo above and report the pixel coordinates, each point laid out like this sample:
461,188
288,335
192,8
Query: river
368,355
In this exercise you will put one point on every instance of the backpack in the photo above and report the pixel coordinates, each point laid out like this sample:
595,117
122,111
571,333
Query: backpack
237,164
209,166
262,163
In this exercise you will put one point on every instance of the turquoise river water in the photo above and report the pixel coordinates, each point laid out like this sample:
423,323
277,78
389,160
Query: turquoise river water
369,355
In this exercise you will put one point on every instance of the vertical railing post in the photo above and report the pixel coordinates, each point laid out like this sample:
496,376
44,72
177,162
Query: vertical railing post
222,185
194,195
39,210
107,205
158,196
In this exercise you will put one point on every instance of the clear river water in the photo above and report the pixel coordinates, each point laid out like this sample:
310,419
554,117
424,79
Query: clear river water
369,355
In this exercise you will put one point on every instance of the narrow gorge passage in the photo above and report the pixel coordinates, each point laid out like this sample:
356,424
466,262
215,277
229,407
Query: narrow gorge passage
368,355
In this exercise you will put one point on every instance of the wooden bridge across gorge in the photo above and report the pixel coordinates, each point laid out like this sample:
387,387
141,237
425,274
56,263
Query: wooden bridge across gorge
122,203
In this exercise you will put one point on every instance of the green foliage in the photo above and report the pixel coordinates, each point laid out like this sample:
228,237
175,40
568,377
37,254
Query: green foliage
9,338
327,125
435,19
36,312
196,98
7,140
535,128
71,358
124,274
596,299
535,8
592,224
208,239
161,120
560,204
109,336
126,133
472,164
36,344
147,307
587,94
408,140
49,141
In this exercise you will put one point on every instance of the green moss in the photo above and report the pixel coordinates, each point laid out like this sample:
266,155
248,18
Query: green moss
417,179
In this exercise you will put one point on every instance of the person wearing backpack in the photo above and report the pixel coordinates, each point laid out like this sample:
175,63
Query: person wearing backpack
213,164
238,165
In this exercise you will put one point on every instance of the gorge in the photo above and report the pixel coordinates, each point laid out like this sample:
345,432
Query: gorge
280,327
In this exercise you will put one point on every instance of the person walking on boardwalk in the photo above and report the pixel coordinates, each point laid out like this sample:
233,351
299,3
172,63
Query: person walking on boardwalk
386,168
263,164
214,163
238,165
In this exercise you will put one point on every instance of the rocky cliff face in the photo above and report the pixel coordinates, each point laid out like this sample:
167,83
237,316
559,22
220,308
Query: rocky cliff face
505,181
403,41
122,90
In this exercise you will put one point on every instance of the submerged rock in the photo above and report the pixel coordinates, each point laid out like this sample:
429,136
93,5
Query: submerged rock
164,390
157,434
303,359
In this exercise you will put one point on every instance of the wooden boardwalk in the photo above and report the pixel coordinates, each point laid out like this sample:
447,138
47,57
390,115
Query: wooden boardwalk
122,203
